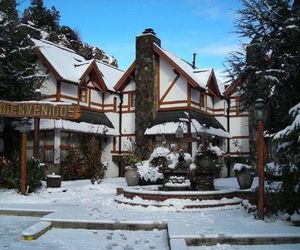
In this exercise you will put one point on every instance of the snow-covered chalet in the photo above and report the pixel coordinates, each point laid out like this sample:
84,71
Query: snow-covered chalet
147,103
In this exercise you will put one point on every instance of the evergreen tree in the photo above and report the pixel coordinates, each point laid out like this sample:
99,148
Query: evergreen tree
18,77
41,17
270,62
17,60
270,67
37,17
289,160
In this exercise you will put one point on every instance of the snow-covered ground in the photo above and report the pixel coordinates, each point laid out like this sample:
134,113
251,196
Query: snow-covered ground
247,247
82,201
62,239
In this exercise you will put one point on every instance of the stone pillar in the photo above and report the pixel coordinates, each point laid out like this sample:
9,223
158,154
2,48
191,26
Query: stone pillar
146,80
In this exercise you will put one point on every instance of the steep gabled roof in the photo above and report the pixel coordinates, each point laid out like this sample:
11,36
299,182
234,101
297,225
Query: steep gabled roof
62,60
95,74
65,64
232,87
212,85
121,84
196,77
111,75
180,65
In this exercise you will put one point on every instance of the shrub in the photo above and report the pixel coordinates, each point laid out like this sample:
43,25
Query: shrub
10,171
85,162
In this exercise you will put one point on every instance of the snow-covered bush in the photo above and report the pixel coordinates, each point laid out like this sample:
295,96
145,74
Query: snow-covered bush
149,173
161,159
209,158
159,156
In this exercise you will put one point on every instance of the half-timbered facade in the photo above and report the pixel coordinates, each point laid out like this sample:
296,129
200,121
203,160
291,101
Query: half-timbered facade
87,83
238,122
158,94
181,91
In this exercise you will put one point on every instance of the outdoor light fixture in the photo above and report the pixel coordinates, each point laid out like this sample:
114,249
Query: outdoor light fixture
260,110
23,125
179,132
260,116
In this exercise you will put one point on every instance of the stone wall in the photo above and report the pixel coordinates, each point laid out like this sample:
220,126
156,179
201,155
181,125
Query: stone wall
146,78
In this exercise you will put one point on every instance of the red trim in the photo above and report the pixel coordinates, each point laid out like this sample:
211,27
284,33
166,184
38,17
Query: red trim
97,76
212,85
231,88
122,83
161,53
41,56
169,88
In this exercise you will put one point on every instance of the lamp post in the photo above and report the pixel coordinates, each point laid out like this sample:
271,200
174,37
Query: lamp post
23,126
260,116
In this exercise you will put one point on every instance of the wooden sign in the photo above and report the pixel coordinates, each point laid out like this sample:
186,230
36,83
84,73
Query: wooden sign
45,110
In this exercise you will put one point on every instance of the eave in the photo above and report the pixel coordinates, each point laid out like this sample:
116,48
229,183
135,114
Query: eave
121,84
190,80
45,61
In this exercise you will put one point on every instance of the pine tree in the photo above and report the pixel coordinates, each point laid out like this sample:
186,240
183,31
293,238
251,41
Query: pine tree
270,62
270,67
42,17
289,160
18,77
17,59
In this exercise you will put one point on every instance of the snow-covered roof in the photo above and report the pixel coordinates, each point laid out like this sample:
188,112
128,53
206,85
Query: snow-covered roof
196,127
198,75
202,75
71,66
111,74
83,127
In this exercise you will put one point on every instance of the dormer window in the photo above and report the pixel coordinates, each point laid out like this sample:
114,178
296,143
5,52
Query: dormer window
83,95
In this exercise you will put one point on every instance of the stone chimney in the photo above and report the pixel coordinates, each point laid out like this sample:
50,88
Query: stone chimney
146,78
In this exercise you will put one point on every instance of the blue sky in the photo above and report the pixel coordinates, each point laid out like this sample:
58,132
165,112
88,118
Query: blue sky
184,26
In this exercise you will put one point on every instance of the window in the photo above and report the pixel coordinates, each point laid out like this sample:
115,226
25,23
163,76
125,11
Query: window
46,145
202,100
48,137
83,95
67,140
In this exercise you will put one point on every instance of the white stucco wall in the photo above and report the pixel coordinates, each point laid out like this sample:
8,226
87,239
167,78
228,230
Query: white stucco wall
112,168
130,86
69,89
96,96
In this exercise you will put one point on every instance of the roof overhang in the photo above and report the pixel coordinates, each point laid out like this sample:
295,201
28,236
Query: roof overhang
121,84
161,53
89,122
167,123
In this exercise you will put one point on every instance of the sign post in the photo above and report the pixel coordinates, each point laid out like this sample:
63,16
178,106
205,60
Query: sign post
36,129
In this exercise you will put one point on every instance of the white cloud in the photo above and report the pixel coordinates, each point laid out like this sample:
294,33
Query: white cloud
218,49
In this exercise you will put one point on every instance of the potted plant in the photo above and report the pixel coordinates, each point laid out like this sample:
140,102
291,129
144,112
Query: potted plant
132,175
244,175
